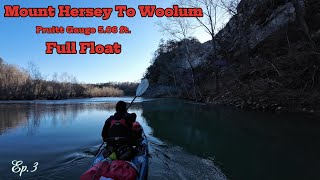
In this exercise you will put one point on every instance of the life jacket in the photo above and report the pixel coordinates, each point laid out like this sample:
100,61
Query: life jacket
119,128
136,130
118,122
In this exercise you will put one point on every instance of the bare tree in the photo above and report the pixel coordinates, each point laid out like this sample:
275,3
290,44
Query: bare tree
210,23
301,13
230,6
36,78
34,71
20,83
182,30
12,81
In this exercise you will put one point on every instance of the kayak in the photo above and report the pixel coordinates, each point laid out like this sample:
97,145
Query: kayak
111,168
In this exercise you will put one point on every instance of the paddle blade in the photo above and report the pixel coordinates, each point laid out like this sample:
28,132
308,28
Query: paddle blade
143,86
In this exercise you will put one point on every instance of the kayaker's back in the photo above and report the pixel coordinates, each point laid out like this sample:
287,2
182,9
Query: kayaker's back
112,167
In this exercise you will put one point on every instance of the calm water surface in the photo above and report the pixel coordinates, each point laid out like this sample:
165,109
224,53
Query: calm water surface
187,140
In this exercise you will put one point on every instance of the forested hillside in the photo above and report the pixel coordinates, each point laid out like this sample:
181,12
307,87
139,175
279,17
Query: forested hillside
266,57
26,84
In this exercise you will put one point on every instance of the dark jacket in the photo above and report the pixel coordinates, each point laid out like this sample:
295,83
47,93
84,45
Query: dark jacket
128,117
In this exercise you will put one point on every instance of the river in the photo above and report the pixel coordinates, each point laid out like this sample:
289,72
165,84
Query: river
58,139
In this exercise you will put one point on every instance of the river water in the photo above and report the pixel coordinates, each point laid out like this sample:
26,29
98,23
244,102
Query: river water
58,139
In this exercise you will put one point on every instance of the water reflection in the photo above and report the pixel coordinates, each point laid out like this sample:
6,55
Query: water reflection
31,116
11,118
188,126
246,145
55,135
63,136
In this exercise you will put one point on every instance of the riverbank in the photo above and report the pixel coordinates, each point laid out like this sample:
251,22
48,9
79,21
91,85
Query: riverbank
275,102
257,104
267,103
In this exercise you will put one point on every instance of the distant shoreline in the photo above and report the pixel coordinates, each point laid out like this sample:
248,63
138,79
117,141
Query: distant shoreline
50,99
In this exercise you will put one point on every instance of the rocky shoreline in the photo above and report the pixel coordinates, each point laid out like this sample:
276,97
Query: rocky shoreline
263,104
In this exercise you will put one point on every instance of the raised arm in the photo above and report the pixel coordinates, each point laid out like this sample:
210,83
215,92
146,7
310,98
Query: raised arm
105,129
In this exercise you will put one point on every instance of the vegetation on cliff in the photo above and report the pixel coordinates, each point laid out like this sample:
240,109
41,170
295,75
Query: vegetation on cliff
266,57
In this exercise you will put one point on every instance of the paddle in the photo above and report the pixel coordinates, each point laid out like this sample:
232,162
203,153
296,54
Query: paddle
143,86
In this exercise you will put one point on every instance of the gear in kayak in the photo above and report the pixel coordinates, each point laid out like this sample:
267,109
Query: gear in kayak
124,153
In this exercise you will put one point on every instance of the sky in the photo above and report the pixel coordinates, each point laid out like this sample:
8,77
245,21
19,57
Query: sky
21,45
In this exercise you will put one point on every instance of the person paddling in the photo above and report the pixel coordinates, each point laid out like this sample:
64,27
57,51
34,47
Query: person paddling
118,126
121,132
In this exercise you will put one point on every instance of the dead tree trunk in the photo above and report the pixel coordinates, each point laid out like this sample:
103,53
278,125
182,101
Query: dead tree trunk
192,72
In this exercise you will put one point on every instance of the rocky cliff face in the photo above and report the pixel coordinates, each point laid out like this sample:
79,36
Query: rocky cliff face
270,54
257,21
274,49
